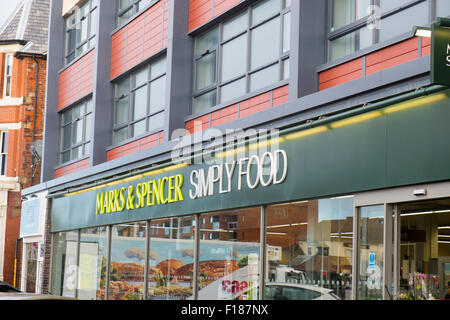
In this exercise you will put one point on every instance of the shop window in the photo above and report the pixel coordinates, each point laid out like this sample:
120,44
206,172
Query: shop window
371,222
92,264
171,262
127,267
3,152
358,24
76,137
309,246
128,8
229,258
81,28
65,264
140,102
7,80
245,53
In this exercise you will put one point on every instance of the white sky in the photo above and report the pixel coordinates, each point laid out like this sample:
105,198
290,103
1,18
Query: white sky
6,9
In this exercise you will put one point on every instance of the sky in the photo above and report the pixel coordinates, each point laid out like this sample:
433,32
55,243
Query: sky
6,9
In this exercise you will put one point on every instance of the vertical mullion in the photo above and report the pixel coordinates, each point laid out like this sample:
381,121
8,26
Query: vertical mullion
219,51
355,253
147,258
397,232
249,49
77,262
196,257
108,260
387,256
262,251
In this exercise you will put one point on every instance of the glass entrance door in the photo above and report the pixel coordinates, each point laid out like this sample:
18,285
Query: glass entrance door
424,249
370,254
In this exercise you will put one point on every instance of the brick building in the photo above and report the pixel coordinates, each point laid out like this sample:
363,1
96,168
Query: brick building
23,65
222,149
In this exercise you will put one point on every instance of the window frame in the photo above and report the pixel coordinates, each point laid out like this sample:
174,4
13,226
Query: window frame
85,140
89,40
361,22
218,84
131,98
4,135
135,8
7,85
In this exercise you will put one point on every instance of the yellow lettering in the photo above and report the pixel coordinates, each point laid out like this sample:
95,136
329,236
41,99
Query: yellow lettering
106,203
139,196
171,188
161,190
122,199
150,195
111,206
179,179
156,191
99,204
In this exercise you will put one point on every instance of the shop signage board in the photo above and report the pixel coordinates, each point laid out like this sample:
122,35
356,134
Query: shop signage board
385,148
440,52
30,217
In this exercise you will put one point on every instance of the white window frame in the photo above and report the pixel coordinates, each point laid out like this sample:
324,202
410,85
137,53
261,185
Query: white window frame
9,61
3,153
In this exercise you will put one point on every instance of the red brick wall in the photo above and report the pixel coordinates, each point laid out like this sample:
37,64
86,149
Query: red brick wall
201,11
11,235
264,101
72,168
140,39
377,61
135,146
76,81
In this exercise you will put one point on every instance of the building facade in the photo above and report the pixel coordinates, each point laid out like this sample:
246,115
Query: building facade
271,149
23,64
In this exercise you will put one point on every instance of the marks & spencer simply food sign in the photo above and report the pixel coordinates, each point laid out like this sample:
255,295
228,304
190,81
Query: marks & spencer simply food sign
248,172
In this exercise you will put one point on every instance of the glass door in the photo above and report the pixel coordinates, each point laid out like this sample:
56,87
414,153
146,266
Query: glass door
370,263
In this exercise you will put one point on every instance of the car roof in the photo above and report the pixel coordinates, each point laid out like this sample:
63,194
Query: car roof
299,285
6,287
30,296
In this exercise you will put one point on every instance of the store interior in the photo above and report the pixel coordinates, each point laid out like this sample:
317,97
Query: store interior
425,249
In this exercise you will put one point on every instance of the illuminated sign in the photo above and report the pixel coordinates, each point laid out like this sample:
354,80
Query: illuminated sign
271,168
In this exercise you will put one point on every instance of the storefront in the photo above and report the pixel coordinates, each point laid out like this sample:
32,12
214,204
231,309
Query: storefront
283,212
32,234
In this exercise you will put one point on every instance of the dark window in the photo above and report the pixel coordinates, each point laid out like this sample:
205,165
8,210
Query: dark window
129,7
139,101
76,131
245,53
3,152
358,24
81,27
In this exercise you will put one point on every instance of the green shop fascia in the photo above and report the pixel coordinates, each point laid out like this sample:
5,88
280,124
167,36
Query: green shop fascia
399,141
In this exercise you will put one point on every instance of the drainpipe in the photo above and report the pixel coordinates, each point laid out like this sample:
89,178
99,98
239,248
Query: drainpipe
15,261
34,115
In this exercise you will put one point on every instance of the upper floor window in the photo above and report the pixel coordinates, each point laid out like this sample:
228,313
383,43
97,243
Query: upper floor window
76,125
81,27
7,81
358,24
140,101
245,53
129,7
3,152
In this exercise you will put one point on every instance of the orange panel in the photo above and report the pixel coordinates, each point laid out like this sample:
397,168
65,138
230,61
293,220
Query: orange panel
340,70
198,124
343,79
220,6
224,115
280,96
76,81
200,12
254,105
